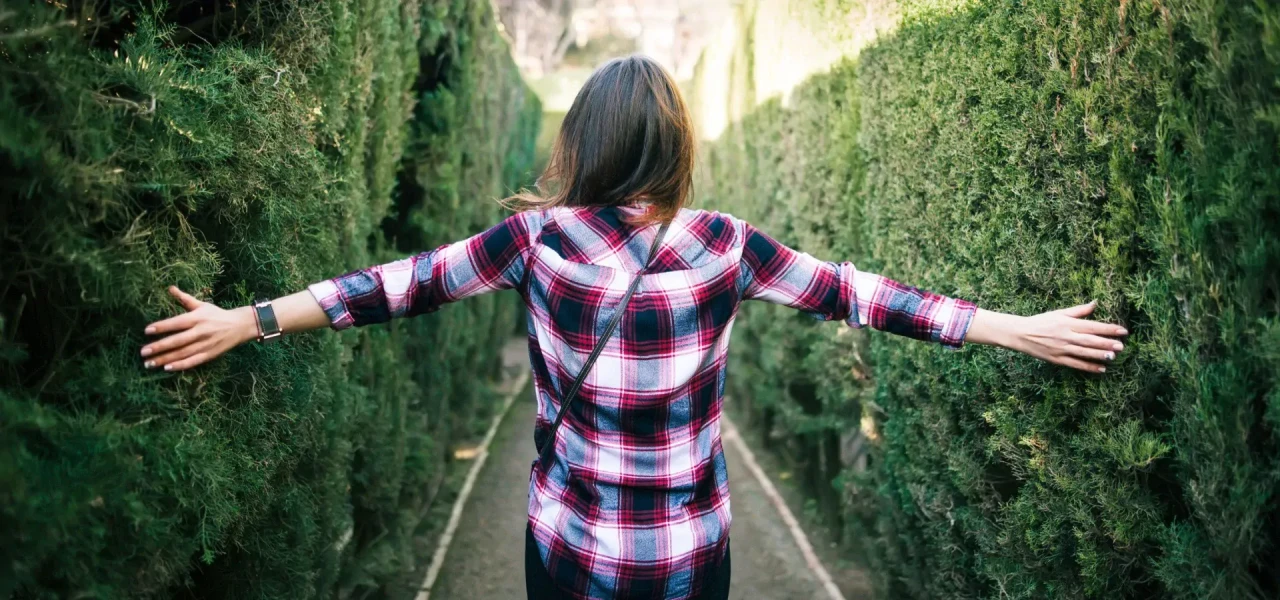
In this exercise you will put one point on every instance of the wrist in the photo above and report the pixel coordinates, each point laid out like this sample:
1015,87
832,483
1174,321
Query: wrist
1011,330
248,324
996,329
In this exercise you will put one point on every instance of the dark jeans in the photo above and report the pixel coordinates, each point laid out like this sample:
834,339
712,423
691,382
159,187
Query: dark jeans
539,585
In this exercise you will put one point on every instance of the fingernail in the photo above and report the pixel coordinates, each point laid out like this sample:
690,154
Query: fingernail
1100,369
149,364
168,367
1122,331
1111,356
150,330
1118,347
146,352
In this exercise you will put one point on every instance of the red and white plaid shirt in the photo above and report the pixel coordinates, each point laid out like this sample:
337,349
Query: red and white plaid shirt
636,502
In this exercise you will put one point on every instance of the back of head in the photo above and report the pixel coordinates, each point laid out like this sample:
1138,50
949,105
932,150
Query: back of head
627,138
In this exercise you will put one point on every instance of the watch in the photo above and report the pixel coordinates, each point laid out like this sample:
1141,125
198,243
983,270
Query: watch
268,327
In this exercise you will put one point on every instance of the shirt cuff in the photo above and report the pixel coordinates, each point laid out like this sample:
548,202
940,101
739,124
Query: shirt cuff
329,295
859,294
953,330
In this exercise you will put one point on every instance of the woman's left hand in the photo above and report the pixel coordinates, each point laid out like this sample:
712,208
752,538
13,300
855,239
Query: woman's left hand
197,336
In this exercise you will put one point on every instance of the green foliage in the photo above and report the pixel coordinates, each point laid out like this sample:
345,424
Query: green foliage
1029,156
250,152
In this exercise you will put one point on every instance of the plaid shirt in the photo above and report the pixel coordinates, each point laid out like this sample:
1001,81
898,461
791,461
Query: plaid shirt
636,502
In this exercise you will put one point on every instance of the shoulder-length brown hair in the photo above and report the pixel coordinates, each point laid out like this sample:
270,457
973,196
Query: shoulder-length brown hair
627,139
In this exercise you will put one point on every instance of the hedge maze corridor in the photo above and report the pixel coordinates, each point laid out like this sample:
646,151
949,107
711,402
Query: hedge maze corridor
1023,154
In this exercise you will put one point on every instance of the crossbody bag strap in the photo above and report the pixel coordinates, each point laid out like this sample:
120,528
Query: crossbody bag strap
548,447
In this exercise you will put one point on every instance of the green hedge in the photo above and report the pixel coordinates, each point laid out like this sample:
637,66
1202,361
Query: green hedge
236,148
1031,155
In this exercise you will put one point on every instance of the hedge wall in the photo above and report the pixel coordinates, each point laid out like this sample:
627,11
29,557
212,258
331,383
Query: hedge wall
236,148
1030,155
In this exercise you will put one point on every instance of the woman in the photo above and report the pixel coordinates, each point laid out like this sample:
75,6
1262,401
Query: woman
633,501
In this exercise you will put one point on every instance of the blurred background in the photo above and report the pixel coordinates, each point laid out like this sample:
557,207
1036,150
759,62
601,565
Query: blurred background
557,43
728,55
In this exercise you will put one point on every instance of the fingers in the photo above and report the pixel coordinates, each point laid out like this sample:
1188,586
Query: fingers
1083,325
168,359
1082,310
1095,341
180,322
1092,354
189,362
187,347
172,324
1098,328
188,301
172,342
1081,365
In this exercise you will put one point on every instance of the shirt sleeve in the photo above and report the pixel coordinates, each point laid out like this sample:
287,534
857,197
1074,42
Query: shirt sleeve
489,261
829,291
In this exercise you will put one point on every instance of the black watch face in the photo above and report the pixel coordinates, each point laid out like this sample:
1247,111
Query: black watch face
268,327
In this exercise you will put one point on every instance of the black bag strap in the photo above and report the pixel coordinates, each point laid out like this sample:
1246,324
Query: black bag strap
548,446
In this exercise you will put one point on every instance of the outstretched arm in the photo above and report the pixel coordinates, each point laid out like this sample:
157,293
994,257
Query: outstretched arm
207,331
837,291
490,261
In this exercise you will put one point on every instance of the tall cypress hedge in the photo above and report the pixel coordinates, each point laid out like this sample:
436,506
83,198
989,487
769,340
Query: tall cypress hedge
1030,155
236,149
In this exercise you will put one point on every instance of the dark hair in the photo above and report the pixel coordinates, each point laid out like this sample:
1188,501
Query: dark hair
627,138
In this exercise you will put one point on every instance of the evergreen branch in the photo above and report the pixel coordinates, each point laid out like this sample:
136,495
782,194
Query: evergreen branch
143,109
32,32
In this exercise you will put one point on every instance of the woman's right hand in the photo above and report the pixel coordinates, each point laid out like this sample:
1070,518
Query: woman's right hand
201,334
1063,337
